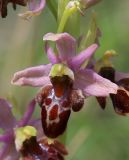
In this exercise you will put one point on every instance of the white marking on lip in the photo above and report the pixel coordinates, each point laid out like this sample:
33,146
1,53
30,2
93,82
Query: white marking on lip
55,101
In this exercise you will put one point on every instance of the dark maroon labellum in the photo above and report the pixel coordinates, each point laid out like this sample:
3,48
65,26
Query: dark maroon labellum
121,99
121,102
56,102
124,83
55,120
41,150
77,100
54,116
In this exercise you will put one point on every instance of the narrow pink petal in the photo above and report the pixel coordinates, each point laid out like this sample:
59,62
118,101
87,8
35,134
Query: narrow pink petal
7,137
28,114
7,120
65,43
78,60
33,76
38,71
93,84
53,58
34,82
120,75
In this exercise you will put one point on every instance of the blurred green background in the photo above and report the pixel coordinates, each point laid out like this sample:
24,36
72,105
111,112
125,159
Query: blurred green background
93,134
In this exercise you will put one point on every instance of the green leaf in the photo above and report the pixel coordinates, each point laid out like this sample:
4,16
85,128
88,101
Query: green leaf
91,36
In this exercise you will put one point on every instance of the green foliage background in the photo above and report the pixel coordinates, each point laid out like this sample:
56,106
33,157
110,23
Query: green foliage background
93,134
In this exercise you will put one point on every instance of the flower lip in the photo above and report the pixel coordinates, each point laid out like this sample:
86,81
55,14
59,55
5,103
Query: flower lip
61,70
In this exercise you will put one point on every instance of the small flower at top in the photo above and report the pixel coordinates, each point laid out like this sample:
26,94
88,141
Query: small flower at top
65,82
9,124
121,99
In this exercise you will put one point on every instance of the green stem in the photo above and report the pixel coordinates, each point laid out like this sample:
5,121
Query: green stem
63,21
68,11
61,7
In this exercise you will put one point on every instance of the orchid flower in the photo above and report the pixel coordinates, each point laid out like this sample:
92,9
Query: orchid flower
65,82
85,79
105,68
9,124
121,99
